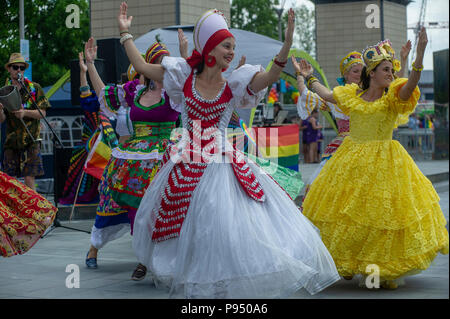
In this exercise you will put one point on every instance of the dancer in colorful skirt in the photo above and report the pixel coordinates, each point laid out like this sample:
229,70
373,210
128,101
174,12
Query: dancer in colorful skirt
133,163
212,224
372,204
24,216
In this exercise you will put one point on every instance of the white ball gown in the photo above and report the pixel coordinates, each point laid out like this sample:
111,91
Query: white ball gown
218,230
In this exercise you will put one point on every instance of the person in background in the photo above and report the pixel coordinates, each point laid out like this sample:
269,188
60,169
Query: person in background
22,155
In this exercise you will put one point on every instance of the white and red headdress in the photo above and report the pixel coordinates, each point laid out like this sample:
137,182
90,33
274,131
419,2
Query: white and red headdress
209,31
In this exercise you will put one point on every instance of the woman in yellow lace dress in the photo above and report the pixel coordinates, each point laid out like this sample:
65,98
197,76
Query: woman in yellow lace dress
371,202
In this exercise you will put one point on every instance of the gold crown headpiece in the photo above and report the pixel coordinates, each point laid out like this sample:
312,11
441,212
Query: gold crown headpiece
373,55
349,60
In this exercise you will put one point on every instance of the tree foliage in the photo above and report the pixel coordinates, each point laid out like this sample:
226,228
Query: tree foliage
260,16
52,43
305,29
257,16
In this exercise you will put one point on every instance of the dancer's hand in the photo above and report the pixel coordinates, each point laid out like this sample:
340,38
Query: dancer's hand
297,68
422,42
289,33
241,62
404,52
123,20
183,44
304,68
83,66
90,50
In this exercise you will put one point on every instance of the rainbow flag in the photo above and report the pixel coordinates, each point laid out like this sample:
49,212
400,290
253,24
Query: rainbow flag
100,145
278,144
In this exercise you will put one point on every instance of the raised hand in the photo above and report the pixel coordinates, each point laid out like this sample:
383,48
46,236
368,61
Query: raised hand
289,33
90,50
83,66
183,44
422,42
241,62
404,52
123,20
295,64
306,68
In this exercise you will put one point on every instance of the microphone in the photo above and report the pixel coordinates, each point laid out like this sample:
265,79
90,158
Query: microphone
19,79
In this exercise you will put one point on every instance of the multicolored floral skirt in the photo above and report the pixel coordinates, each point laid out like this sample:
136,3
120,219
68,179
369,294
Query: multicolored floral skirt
134,163
24,216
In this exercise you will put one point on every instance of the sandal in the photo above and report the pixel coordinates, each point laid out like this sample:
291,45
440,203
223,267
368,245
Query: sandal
91,262
139,273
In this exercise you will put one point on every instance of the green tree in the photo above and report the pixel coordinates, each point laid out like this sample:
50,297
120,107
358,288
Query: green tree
305,29
257,16
260,16
52,43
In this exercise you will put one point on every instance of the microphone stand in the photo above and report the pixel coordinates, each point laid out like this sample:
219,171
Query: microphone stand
56,222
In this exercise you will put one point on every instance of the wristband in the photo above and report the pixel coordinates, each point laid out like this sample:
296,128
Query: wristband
416,69
125,37
84,88
280,64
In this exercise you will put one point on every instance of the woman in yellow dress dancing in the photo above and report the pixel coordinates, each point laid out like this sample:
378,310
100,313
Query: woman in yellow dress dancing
371,202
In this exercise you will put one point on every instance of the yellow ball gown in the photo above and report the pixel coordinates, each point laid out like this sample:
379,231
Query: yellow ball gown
371,202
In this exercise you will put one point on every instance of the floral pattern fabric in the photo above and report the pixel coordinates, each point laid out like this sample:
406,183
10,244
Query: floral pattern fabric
24,216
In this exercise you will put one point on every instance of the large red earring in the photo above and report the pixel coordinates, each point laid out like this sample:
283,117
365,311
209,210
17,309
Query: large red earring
210,61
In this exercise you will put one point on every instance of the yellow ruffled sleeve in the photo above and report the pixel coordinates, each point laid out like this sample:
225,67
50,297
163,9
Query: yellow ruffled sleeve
403,107
345,97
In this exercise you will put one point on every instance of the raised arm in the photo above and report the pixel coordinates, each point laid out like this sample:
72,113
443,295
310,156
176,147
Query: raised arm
414,77
183,44
404,58
90,52
264,79
151,71
84,86
304,69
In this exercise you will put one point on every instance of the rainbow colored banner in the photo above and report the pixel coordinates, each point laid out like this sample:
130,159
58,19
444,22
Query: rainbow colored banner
278,144
97,158
100,146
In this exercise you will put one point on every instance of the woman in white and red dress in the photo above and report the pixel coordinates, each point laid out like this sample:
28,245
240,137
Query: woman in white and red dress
212,224
24,216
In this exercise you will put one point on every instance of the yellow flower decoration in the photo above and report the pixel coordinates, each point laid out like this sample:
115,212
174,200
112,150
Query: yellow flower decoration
396,65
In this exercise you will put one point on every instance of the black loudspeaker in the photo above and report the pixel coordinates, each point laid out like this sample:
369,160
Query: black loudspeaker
100,65
116,59
61,164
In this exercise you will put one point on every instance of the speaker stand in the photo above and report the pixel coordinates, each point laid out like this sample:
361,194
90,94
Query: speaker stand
56,222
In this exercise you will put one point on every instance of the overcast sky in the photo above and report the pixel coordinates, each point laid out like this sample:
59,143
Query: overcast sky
436,11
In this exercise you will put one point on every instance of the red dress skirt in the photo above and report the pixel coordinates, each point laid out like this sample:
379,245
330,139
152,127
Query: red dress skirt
24,216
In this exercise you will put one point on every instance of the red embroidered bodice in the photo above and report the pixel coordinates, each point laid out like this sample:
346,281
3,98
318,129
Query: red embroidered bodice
203,119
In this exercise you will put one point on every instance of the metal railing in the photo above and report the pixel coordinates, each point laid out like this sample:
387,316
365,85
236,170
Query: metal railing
419,143
68,128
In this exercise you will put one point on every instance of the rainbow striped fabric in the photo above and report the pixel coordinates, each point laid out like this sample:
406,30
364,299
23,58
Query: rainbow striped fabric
279,144
100,145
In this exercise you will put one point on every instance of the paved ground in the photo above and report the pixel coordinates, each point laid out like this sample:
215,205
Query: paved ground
41,272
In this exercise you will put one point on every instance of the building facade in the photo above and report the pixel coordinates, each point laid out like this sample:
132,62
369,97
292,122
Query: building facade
149,14
345,26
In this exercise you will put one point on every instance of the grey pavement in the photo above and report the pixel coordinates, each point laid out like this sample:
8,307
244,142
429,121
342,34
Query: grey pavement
41,272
